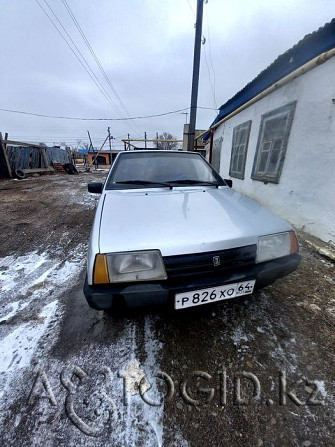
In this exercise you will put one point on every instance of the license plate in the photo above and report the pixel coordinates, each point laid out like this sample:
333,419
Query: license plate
213,294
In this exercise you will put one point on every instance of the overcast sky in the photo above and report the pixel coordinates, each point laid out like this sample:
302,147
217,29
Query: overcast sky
146,50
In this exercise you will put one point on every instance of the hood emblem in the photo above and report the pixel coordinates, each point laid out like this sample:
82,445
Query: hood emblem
216,261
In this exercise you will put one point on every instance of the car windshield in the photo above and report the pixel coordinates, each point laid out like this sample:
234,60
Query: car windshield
159,169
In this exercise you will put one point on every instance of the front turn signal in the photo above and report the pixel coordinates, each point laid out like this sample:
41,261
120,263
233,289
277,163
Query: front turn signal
294,243
100,270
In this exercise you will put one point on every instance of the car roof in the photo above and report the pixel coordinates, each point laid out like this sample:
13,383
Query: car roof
158,151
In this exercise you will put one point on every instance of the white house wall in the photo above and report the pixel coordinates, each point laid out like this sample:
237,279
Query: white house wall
305,194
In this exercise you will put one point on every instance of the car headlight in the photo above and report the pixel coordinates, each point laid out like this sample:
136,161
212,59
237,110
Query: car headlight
130,267
276,246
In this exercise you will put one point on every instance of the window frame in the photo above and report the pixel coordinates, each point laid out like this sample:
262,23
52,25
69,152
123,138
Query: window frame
288,110
236,174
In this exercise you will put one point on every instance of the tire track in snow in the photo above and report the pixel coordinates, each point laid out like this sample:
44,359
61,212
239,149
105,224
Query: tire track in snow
138,424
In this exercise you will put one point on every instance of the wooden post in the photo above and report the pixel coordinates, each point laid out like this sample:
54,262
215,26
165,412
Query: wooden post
5,169
109,137
96,157
44,157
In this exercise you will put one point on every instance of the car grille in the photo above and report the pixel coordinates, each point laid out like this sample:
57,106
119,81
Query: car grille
183,266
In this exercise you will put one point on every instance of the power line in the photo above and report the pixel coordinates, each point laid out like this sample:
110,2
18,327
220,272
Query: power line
211,62
203,42
96,80
208,108
100,119
75,21
92,76
75,54
189,4
210,77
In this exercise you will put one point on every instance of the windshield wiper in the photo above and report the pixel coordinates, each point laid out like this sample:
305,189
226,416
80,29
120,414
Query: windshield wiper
193,182
143,182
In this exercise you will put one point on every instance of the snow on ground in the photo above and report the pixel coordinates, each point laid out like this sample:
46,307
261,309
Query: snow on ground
110,378
30,286
14,308
36,274
281,352
86,199
134,378
239,335
17,347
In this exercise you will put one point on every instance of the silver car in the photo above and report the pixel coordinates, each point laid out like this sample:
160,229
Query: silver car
169,230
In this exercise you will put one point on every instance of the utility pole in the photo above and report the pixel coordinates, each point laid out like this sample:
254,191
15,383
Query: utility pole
95,158
157,140
145,139
109,138
195,79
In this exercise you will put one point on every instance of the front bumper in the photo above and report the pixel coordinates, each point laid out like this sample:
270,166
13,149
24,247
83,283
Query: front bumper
160,293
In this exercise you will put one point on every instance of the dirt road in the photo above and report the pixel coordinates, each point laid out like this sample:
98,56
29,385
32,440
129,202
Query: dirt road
257,371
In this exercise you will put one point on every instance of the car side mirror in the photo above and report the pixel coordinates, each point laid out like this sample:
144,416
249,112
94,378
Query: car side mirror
95,188
228,182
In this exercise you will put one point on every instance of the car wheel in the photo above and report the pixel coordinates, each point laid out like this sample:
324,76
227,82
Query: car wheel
119,307
19,174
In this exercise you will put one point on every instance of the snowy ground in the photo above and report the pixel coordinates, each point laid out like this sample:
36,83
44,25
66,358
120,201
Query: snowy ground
250,372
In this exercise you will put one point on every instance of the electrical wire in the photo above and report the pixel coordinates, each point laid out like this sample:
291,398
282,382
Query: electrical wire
92,76
95,57
96,80
210,77
96,119
191,8
102,119
213,86
75,21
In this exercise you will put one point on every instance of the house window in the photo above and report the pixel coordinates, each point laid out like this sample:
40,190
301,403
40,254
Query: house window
272,142
239,150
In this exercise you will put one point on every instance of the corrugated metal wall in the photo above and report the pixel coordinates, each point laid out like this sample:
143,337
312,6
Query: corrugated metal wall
58,155
31,158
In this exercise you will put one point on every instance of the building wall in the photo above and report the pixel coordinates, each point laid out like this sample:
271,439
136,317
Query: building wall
305,195
22,157
103,159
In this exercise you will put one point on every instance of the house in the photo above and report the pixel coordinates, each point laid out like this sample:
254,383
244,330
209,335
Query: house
103,157
276,137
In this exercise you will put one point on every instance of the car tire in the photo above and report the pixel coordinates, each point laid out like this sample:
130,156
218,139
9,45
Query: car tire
19,174
119,307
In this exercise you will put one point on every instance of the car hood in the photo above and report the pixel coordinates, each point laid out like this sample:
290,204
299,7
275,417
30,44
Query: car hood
182,220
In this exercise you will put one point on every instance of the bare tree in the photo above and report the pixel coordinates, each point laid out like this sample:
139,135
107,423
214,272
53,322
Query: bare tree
81,144
167,145
78,144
